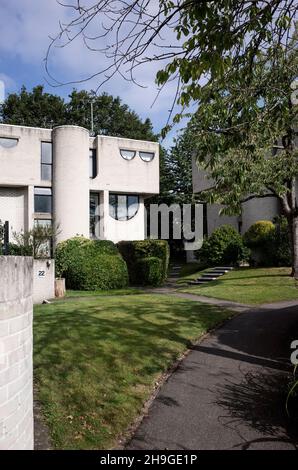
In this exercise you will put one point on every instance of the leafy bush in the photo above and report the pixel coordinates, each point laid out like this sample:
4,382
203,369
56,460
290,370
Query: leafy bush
150,271
36,242
135,251
269,243
20,250
224,246
280,249
90,264
258,233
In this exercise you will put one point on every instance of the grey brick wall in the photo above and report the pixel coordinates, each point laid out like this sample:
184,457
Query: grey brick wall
16,384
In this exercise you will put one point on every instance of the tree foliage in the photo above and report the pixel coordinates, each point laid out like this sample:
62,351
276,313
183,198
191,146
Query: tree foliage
191,40
245,136
37,108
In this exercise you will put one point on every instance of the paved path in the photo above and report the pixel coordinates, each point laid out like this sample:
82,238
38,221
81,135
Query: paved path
228,393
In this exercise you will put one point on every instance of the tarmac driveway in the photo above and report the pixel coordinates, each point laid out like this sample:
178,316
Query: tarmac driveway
229,392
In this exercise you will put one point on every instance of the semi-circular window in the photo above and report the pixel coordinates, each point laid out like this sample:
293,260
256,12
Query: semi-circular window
7,142
123,206
127,154
147,156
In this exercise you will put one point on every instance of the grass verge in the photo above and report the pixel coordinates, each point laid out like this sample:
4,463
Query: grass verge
250,286
97,360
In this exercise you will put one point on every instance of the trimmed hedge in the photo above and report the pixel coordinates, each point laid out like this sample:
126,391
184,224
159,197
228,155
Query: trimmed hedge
224,246
90,264
150,271
269,243
258,233
134,252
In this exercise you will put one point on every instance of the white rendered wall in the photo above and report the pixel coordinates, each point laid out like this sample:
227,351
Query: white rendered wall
16,383
13,202
215,220
259,209
43,280
116,174
133,229
20,165
71,181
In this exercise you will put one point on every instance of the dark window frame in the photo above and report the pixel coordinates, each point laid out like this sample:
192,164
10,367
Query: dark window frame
46,164
36,195
93,218
116,195
93,156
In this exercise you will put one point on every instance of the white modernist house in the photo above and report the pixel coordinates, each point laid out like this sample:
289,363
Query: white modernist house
252,210
90,186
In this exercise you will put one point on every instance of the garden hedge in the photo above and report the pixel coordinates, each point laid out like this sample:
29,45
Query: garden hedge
269,243
258,233
224,246
90,264
150,271
140,273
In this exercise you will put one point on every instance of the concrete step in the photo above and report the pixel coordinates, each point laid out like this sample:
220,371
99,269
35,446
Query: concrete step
212,274
196,283
227,268
224,271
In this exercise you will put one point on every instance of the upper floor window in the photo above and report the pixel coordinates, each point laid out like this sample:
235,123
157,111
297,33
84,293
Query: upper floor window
43,200
94,217
46,161
147,156
92,163
123,206
8,142
127,154
130,154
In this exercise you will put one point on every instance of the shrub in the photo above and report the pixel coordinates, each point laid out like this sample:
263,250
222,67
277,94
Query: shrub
258,233
90,264
150,271
225,245
135,251
279,242
269,243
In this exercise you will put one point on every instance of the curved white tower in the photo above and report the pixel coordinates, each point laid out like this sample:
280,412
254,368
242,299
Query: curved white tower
71,181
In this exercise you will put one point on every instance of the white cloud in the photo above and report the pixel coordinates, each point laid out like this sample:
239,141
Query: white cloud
25,27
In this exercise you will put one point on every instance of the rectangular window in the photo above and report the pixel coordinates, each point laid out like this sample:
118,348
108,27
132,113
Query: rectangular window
46,161
45,241
92,163
94,217
43,200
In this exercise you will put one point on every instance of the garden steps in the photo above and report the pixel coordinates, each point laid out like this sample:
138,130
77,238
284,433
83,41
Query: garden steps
211,275
175,271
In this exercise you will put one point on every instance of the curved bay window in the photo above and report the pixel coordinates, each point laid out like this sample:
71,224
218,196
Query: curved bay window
123,206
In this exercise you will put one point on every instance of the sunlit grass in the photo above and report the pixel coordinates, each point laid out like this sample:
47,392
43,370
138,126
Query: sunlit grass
97,359
250,286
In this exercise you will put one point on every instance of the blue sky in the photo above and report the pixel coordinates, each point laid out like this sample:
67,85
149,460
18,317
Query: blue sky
25,27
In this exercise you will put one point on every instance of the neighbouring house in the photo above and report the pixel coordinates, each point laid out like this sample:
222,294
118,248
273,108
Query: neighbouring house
90,186
252,210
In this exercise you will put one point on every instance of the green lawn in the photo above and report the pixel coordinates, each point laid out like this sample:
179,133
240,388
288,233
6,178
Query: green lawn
96,293
251,286
97,359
